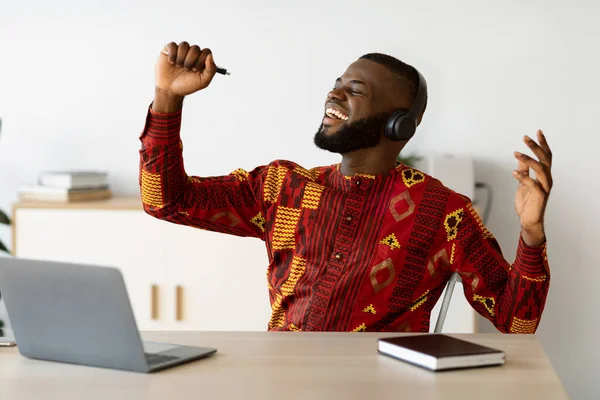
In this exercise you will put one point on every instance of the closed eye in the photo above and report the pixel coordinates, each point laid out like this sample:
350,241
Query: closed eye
351,86
349,89
353,91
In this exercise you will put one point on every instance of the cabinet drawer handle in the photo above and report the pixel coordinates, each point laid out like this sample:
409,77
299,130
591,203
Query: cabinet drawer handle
154,302
179,303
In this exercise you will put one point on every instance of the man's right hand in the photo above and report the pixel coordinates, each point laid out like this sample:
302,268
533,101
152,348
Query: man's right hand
182,71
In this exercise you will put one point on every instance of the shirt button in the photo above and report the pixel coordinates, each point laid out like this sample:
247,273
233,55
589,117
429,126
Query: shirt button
338,256
348,218
357,183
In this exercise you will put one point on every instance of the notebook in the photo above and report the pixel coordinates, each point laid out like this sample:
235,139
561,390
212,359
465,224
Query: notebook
438,352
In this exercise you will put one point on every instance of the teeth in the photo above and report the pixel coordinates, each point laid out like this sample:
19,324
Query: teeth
335,113
330,113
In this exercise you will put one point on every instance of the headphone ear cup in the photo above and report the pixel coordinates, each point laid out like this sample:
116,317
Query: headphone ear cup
399,128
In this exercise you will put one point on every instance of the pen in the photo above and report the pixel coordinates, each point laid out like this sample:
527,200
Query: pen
220,70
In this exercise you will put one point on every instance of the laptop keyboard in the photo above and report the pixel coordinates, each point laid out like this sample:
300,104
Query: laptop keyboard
154,359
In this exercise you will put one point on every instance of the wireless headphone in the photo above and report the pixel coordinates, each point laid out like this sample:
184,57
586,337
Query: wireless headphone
402,124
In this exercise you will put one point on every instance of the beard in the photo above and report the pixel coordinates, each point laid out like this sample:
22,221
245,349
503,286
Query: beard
362,134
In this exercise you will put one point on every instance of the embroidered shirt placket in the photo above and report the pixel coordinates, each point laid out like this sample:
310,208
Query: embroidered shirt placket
344,238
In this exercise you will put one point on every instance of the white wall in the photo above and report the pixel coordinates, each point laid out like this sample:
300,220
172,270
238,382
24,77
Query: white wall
75,82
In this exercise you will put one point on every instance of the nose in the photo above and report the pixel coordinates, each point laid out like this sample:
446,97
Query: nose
336,94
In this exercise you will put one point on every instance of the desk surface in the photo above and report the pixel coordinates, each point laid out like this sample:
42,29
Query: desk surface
290,365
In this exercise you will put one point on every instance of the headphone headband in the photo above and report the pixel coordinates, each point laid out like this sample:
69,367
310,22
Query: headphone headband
401,126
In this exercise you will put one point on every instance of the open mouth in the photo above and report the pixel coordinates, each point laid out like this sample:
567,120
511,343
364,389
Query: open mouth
336,114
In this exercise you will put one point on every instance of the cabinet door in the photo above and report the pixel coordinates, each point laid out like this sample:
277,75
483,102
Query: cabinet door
125,239
217,281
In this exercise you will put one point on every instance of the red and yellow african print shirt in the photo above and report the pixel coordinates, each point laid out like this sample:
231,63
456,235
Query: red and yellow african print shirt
348,253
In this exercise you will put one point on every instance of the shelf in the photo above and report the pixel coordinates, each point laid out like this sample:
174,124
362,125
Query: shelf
115,203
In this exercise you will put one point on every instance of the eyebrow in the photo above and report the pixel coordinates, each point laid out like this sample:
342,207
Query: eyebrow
353,81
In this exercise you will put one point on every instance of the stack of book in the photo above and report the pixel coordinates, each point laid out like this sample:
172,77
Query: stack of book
68,187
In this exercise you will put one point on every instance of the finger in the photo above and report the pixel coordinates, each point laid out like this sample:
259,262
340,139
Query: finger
182,51
537,150
201,61
210,68
190,59
521,166
525,180
545,146
541,172
171,50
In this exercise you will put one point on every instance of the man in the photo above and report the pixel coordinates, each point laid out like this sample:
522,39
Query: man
364,245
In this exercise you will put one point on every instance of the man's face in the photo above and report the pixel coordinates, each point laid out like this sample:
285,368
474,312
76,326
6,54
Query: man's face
358,107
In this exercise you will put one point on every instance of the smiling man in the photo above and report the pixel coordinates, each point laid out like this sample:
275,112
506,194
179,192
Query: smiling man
364,245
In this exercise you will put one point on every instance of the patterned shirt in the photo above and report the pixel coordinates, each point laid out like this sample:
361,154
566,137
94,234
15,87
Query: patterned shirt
348,253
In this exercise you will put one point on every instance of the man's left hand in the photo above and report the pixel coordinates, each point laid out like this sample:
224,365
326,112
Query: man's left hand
532,194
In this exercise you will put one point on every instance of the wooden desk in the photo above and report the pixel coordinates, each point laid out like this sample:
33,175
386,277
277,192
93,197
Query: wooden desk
268,365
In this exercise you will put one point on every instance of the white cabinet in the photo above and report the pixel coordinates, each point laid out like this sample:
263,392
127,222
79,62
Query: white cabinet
218,281
104,237
177,277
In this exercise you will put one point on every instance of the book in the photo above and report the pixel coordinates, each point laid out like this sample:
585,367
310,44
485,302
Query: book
63,195
438,352
73,179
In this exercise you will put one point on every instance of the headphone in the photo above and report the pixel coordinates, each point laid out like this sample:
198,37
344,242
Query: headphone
402,124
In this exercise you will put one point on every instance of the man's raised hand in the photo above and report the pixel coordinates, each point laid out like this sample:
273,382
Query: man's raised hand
180,71
532,194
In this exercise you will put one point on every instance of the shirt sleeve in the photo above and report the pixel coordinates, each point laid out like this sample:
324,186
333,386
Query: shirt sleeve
513,296
229,204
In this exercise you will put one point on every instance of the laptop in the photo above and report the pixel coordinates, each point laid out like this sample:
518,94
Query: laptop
81,314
